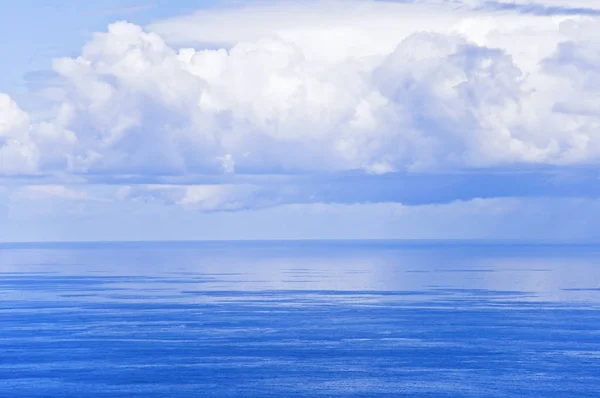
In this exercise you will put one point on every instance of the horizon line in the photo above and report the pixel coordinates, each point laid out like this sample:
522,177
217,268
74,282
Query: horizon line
450,241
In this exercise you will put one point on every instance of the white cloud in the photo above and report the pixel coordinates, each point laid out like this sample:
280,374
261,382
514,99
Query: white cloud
25,147
235,101
18,153
330,31
316,87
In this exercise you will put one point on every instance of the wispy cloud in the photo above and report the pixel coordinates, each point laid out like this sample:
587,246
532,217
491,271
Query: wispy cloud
540,9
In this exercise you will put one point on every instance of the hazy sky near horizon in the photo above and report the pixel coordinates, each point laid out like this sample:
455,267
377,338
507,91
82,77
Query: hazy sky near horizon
464,119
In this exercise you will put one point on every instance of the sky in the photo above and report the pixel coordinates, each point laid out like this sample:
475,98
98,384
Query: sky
341,119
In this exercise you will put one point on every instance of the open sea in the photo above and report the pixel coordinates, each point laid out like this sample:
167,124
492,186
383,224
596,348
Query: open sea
299,319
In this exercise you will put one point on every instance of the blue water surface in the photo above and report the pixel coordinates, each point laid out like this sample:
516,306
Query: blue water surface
310,319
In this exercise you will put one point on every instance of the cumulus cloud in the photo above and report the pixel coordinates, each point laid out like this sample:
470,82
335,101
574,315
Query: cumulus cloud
313,87
27,147
18,153
307,119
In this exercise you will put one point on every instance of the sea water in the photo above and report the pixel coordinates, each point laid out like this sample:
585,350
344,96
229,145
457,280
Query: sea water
311,319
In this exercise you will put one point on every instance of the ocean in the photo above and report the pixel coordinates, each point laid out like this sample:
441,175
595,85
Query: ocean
299,319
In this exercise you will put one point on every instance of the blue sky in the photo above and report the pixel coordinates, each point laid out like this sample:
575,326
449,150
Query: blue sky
299,120
36,31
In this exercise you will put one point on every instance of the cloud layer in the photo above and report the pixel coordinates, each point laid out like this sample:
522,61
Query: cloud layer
287,88
27,218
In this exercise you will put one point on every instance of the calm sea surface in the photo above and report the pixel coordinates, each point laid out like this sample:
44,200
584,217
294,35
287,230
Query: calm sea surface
309,319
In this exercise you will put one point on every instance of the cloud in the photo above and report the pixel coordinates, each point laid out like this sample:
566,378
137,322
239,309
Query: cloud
18,153
27,147
380,88
504,218
205,198
540,9
353,119
322,29
242,193
545,8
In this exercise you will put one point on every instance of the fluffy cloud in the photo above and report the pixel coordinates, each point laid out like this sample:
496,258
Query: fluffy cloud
27,147
18,153
380,87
